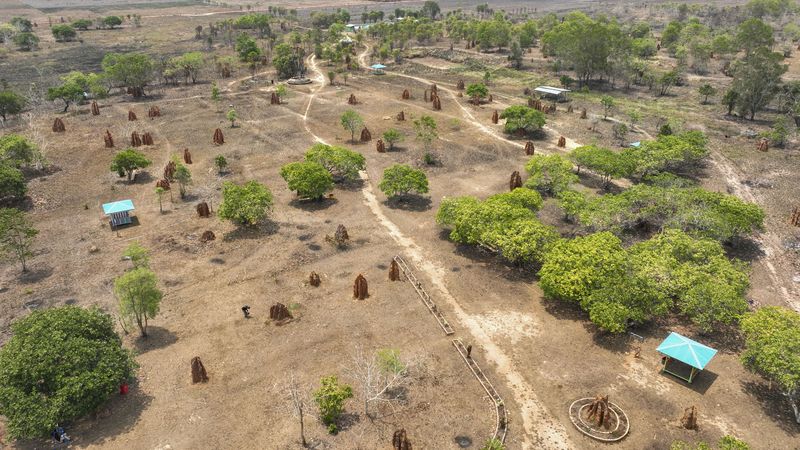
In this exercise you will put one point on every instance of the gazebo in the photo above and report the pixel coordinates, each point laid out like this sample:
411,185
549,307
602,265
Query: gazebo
684,357
553,93
119,212
377,69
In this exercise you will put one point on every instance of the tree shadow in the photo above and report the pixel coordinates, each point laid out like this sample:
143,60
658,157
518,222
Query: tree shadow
774,404
351,185
312,205
416,203
745,249
266,228
115,417
564,310
35,274
593,181
347,421
157,337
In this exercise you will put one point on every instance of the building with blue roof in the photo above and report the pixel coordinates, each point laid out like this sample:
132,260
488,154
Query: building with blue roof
119,212
684,357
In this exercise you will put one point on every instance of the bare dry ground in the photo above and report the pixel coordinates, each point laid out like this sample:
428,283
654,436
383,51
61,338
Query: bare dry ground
541,355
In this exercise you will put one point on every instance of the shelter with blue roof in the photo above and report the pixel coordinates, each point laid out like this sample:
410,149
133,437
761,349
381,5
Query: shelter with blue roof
684,357
119,212
377,69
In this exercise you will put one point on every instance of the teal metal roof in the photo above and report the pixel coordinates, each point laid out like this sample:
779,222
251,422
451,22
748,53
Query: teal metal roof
118,207
686,350
377,66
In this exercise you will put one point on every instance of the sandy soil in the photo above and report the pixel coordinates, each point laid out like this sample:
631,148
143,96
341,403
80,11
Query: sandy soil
541,355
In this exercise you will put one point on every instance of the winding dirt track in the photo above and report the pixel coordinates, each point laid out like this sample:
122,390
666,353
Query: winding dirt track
542,431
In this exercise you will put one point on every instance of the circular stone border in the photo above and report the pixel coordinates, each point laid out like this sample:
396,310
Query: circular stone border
618,433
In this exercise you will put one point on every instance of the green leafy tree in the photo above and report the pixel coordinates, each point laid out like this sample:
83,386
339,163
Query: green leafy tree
493,444
287,60
342,163
426,131
190,64
221,163
477,92
160,191
281,91
11,103
82,24
71,89
400,180
310,179
215,91
706,90
127,161
549,174
730,99
132,71
573,268
620,132
772,349
352,122
22,24
184,178
139,296
16,235
430,9
59,365
392,137
754,33
522,120
756,79
138,254
330,398
232,116
26,41
245,204
111,21
63,32
585,44
12,183
18,151
608,105
602,161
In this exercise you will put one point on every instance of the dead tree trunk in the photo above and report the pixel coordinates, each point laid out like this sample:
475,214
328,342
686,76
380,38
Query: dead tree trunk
187,157
495,117
95,109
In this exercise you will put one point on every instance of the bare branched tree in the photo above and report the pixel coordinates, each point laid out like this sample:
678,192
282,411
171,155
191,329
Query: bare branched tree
377,374
297,401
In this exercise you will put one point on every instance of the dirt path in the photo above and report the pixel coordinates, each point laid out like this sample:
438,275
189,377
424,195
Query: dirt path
769,242
541,430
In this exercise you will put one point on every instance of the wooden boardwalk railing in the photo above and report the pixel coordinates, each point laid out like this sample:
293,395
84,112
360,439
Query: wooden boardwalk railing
501,417
448,330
